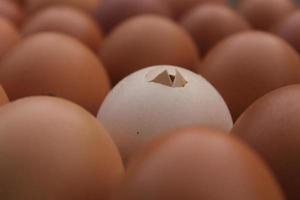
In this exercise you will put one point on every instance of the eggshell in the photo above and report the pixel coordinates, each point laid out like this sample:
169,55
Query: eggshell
263,14
271,126
3,97
145,41
53,149
289,29
66,20
86,5
9,37
180,7
198,164
113,12
148,102
11,11
209,24
248,65
55,65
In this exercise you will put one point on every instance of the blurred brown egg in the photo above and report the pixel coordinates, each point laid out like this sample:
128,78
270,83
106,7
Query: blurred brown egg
86,5
271,126
146,41
289,29
11,11
248,65
66,20
263,14
56,65
113,12
209,24
196,164
53,149
180,7
9,36
3,97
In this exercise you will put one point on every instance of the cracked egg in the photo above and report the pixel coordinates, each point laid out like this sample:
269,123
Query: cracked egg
158,99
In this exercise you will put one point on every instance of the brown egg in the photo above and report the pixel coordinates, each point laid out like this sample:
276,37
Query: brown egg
55,65
271,126
209,24
66,20
180,7
113,12
53,149
11,11
86,5
3,97
263,14
9,37
289,29
248,65
146,41
196,164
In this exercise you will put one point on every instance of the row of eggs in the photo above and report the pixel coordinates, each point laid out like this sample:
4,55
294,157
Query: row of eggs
190,164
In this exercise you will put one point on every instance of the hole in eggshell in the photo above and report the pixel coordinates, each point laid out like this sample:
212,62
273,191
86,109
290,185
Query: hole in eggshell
170,80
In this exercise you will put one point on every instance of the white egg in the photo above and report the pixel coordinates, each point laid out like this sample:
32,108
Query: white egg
158,99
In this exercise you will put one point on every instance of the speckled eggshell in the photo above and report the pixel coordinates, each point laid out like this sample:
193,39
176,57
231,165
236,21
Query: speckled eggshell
198,164
271,126
141,106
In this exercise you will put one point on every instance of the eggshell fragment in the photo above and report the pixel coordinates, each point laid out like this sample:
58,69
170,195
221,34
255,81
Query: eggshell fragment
156,99
248,65
196,164
56,65
271,126
66,20
53,149
145,41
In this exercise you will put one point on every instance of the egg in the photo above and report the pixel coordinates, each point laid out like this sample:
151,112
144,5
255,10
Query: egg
9,37
248,65
11,11
195,164
144,41
289,30
181,7
113,12
209,24
3,97
53,149
157,99
263,14
271,126
56,65
87,5
66,20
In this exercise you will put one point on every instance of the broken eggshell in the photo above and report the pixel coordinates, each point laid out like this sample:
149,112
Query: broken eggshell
158,99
